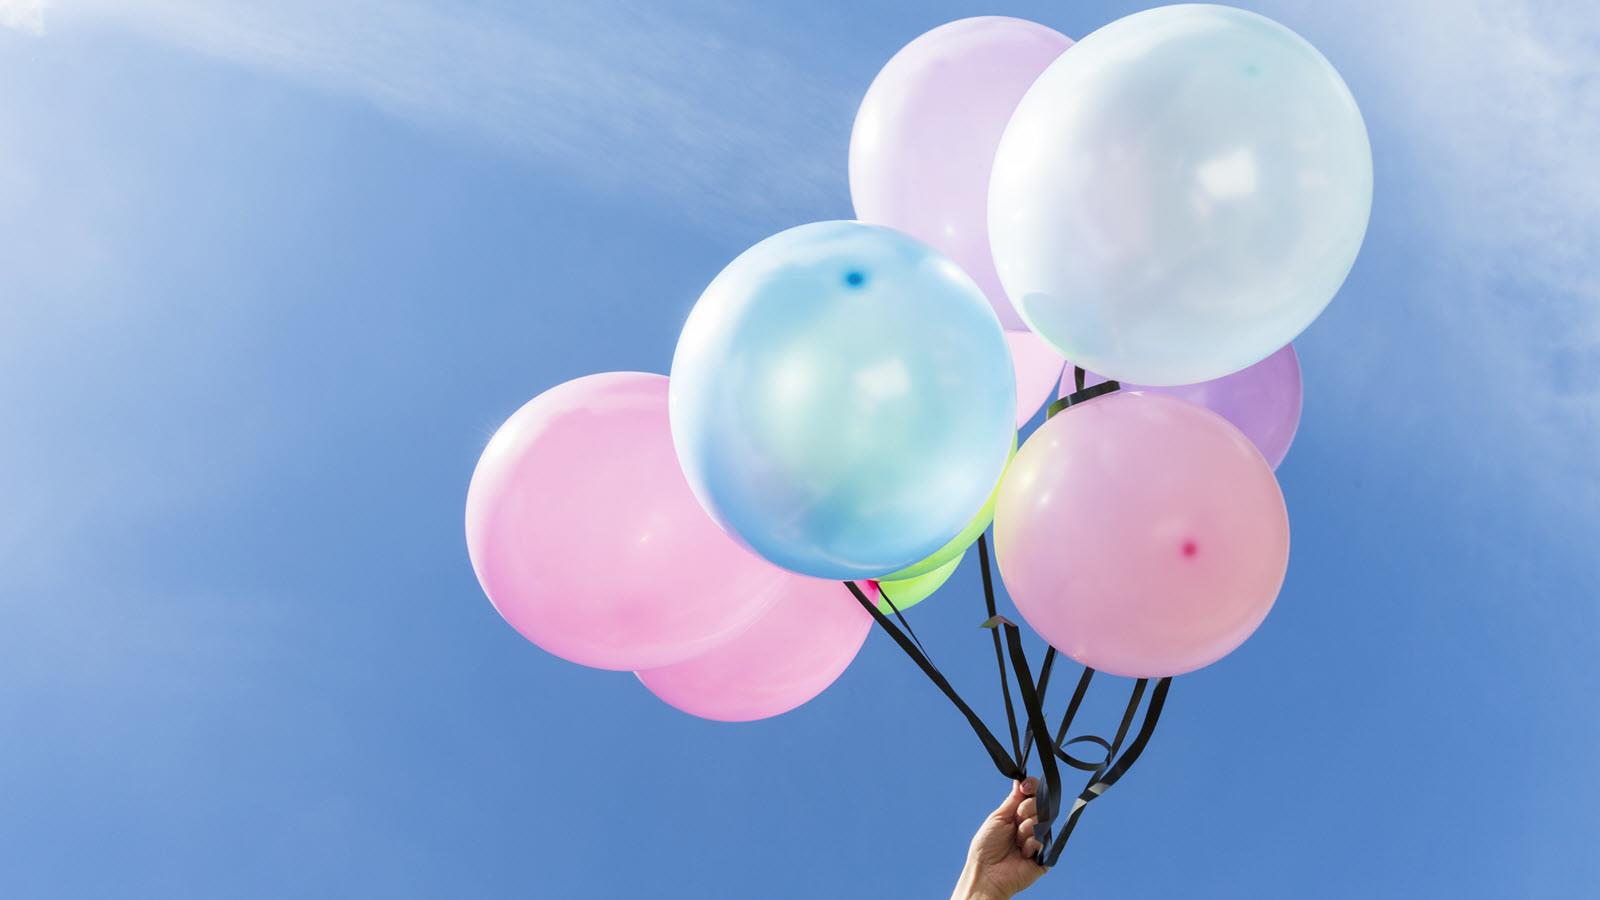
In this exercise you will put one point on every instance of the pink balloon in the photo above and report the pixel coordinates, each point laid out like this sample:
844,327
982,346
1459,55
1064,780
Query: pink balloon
1038,366
790,655
926,134
584,534
1262,400
1141,535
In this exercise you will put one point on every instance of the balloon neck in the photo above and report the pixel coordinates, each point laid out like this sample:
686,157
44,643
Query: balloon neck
1081,396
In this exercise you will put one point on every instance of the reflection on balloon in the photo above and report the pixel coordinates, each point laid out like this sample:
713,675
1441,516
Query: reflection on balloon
1141,535
842,399
1180,194
926,133
790,655
1262,400
587,540
957,545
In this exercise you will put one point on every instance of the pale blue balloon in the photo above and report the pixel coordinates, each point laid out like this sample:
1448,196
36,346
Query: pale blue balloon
842,399
1180,194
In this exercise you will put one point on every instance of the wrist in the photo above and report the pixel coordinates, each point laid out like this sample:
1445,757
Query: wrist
971,887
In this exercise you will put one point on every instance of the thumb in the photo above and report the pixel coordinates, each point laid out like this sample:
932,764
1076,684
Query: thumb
1007,810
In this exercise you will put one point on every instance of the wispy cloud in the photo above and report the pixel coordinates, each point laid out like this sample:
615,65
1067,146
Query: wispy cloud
1487,119
23,15
1506,103
617,95
1503,99
1508,98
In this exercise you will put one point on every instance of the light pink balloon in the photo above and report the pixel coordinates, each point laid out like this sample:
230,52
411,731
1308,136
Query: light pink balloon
1038,368
926,134
584,534
790,655
1141,535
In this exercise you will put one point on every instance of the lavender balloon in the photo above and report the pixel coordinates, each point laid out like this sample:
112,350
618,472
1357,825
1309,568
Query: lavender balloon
926,134
1262,400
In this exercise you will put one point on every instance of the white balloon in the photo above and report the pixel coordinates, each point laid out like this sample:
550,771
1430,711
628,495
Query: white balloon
1180,194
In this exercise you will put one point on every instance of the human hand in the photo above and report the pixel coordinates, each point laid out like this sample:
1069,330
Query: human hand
1000,861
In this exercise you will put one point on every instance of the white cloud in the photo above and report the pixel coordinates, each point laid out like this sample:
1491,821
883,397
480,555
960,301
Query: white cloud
1507,102
1510,94
23,15
1487,120
621,96
1502,100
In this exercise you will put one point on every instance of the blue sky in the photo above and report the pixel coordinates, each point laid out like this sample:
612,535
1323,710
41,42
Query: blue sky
271,273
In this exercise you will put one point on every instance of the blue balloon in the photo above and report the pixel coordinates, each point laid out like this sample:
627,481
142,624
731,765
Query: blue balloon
842,399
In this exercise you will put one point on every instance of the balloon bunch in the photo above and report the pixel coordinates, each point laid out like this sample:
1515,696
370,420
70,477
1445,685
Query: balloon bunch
1168,202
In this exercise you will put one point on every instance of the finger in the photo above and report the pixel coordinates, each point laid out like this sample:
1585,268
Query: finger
1030,785
1025,831
1007,810
1031,848
1028,809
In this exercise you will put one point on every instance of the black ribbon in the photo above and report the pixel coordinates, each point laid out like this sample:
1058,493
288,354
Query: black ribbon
1035,731
1002,760
1047,795
900,617
999,658
1080,395
1044,684
1107,774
